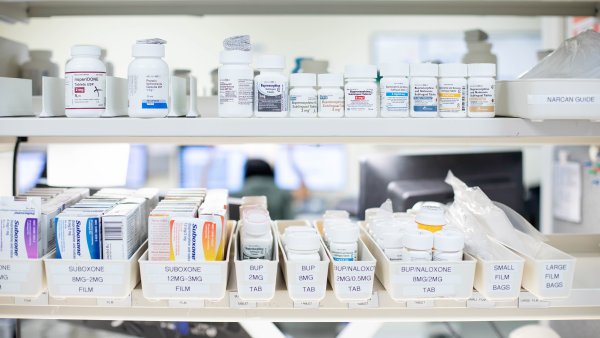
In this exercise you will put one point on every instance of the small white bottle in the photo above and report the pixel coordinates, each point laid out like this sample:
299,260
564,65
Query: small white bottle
448,245
148,81
361,91
423,90
482,90
343,243
303,247
453,90
394,89
418,245
85,82
330,95
303,95
236,84
39,65
392,245
270,87
256,239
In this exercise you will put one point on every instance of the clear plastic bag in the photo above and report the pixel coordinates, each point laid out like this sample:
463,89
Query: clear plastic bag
576,57
479,217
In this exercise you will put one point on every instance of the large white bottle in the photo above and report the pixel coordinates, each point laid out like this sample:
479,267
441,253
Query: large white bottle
148,78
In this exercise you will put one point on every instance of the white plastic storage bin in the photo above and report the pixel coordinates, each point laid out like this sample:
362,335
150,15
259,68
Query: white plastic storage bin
352,281
586,284
545,99
433,280
256,278
170,280
93,277
549,273
15,97
305,281
23,277
499,279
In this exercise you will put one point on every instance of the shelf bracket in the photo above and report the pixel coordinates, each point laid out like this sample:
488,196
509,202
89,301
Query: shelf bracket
15,183
14,12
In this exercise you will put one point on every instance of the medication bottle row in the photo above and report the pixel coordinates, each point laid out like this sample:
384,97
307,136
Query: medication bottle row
418,90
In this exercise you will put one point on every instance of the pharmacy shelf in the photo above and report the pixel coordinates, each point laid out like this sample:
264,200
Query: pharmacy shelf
281,308
311,130
21,10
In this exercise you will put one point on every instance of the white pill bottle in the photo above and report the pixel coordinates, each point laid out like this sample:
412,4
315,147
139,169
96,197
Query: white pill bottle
482,90
236,82
85,82
423,90
271,87
303,95
394,90
331,95
453,90
148,78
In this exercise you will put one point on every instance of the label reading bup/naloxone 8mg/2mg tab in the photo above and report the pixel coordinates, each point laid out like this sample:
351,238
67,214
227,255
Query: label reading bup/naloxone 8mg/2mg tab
85,90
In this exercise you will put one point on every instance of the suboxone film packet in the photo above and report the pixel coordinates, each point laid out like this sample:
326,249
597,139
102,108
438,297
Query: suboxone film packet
20,236
196,239
78,233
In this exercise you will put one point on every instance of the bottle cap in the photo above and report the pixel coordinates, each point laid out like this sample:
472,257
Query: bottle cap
303,241
431,214
303,80
256,221
85,50
453,70
482,69
424,70
299,228
270,61
235,56
360,71
392,240
448,240
418,240
40,54
343,234
394,69
148,50
330,80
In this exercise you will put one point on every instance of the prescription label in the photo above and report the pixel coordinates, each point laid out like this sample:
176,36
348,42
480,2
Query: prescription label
582,99
179,281
85,90
271,96
427,281
482,96
503,279
394,96
85,279
331,104
361,100
355,280
236,90
452,98
149,91
424,94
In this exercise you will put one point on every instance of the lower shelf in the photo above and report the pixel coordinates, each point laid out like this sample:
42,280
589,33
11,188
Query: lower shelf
282,309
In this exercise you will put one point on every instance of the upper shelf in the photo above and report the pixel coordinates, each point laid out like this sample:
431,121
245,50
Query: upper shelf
304,130
20,10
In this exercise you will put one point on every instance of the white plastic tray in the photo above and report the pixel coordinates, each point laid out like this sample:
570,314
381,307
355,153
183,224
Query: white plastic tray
352,281
256,278
500,279
407,281
549,273
186,280
306,282
84,278
23,277
544,99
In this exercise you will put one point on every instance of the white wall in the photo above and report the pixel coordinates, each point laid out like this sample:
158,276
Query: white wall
194,42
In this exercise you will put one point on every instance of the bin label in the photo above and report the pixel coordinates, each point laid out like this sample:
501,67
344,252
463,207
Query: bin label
186,303
170,280
426,281
115,302
529,301
236,302
87,280
12,276
371,303
353,280
563,99
477,300
503,278
555,274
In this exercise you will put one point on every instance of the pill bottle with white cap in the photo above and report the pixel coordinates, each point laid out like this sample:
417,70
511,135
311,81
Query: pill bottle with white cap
431,217
256,238
330,95
303,247
236,83
85,82
303,95
423,90
361,91
482,90
343,243
270,87
392,245
453,90
394,90
148,80
448,245
418,245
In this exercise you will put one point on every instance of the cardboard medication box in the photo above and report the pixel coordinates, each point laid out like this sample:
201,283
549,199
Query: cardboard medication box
20,230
